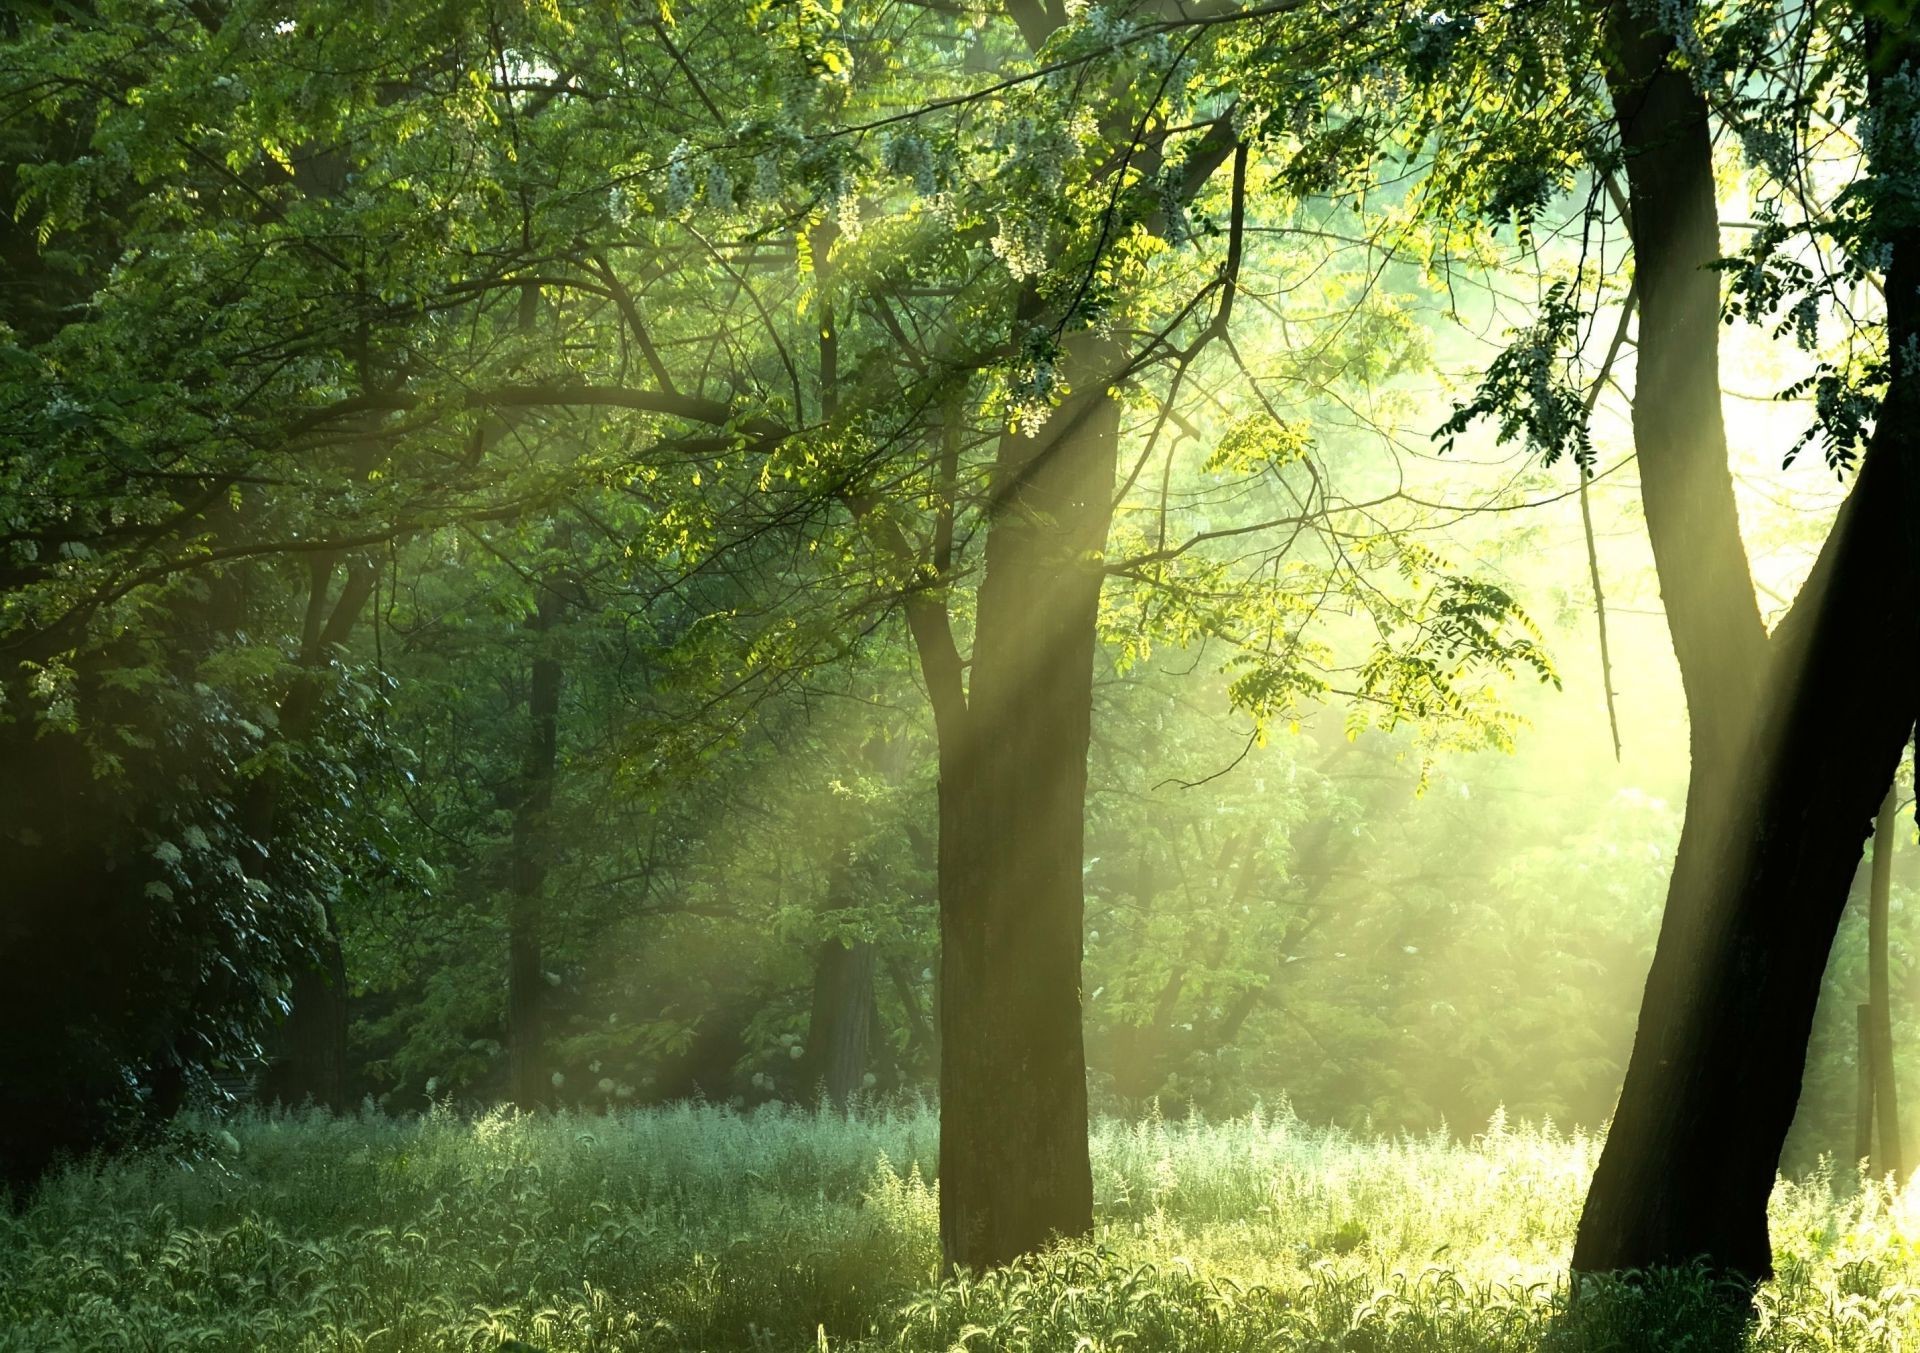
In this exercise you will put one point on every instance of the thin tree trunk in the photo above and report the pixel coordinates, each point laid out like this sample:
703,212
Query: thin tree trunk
1880,987
1863,1095
529,1078
1134,1051
840,1026
311,1064
920,1036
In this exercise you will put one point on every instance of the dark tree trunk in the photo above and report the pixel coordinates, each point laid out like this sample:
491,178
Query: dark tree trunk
1757,893
1794,739
839,1029
528,1080
708,1069
529,1077
311,1062
1014,1169
311,1067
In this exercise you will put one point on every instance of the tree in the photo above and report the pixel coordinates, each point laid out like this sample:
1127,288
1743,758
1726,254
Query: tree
1777,806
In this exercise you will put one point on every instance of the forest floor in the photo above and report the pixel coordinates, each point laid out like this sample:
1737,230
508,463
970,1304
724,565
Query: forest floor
699,1228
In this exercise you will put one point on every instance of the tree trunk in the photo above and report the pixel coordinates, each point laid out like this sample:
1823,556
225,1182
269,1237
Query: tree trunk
1863,1096
529,1078
310,1065
838,1031
1794,740
1757,892
1014,1169
921,1040
1880,988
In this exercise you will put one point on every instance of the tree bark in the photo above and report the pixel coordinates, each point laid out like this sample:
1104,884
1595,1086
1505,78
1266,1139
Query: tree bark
839,1028
529,1077
311,1065
1793,739
1014,1168
1863,1099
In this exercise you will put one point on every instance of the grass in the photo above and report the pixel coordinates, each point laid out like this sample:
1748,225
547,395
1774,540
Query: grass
702,1228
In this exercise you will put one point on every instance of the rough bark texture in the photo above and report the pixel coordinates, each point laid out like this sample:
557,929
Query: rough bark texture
1794,741
530,1080
1014,1171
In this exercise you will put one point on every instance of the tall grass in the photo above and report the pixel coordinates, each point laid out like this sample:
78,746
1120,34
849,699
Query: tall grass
703,1228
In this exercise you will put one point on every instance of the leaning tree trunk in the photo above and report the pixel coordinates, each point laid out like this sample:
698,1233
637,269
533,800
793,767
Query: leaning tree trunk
1014,1168
1794,739
529,1079
1756,897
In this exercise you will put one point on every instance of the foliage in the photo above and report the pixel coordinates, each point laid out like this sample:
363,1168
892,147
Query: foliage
721,323
702,1228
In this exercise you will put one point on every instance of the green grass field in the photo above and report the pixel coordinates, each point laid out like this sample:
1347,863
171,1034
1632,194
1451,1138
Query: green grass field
698,1228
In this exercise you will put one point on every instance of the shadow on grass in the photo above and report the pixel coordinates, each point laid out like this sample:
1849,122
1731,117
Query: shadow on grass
1684,1310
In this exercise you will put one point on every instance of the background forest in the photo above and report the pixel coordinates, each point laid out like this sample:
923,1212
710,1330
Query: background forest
855,567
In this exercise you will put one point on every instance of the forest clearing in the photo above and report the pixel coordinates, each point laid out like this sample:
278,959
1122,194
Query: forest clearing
987,674
780,1229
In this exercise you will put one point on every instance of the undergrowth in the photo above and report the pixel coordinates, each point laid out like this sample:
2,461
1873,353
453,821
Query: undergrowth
703,1228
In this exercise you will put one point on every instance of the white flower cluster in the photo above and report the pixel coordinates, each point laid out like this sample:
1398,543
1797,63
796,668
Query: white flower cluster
1804,319
1173,209
678,192
1767,146
1890,134
1031,396
1020,244
766,177
1039,155
907,155
1890,130
719,187
1102,25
